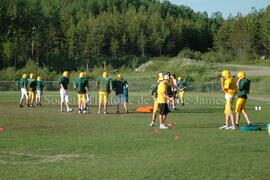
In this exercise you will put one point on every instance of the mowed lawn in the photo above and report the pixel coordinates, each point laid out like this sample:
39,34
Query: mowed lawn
41,143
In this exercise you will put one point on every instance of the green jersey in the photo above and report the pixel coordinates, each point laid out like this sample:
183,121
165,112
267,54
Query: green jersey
40,85
182,84
119,85
81,83
104,84
154,89
23,83
244,86
64,81
32,84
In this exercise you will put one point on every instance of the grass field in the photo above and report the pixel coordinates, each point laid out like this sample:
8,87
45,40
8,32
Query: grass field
42,143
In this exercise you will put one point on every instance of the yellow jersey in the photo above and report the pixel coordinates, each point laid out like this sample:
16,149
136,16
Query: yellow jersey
162,88
230,86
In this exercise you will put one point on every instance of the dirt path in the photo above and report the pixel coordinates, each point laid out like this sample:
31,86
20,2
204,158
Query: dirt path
252,70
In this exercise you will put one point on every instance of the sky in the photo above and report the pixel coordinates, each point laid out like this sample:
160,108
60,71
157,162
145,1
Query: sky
224,6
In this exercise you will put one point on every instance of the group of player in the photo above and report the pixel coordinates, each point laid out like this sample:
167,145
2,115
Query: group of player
105,86
166,92
231,88
31,90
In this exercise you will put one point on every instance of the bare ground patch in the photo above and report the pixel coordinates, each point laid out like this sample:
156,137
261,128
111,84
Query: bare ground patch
38,158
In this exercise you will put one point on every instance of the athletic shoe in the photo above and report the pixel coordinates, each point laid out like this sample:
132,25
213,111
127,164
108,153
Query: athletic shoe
61,110
69,110
174,108
126,112
28,105
223,127
249,124
230,127
80,112
152,124
105,112
39,104
98,112
21,105
31,105
237,125
183,104
163,126
85,112
117,112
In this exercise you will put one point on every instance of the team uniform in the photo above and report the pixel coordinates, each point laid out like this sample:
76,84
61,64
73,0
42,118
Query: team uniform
64,91
244,86
81,83
23,85
119,86
40,87
104,84
162,101
230,92
32,86
182,84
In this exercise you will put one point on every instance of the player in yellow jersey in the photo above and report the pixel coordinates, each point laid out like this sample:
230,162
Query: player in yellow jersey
228,85
154,94
162,101
243,85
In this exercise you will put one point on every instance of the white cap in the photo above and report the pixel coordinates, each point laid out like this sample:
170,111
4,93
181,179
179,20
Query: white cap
166,77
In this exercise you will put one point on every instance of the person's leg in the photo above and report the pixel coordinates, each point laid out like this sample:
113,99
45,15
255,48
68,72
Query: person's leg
182,97
237,118
232,119
100,101
117,101
246,117
22,97
67,101
105,102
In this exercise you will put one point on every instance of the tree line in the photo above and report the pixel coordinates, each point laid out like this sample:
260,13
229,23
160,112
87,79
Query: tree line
68,34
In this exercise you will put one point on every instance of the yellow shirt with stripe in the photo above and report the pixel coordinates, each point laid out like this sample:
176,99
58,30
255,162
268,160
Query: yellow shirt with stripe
162,88
230,86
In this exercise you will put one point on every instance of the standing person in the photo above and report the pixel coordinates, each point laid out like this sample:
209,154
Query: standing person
104,85
32,84
229,87
63,82
162,101
40,87
182,86
24,93
119,85
243,85
81,86
87,92
154,94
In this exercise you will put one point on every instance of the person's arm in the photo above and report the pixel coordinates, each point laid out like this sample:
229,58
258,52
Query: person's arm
222,83
165,95
111,84
238,83
98,82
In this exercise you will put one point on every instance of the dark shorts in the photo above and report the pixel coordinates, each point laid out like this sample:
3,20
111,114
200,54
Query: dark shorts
163,108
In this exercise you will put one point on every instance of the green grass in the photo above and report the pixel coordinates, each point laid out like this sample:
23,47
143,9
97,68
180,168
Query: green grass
42,143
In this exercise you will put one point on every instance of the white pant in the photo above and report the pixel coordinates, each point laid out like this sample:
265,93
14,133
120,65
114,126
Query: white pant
64,95
88,97
24,93
39,94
